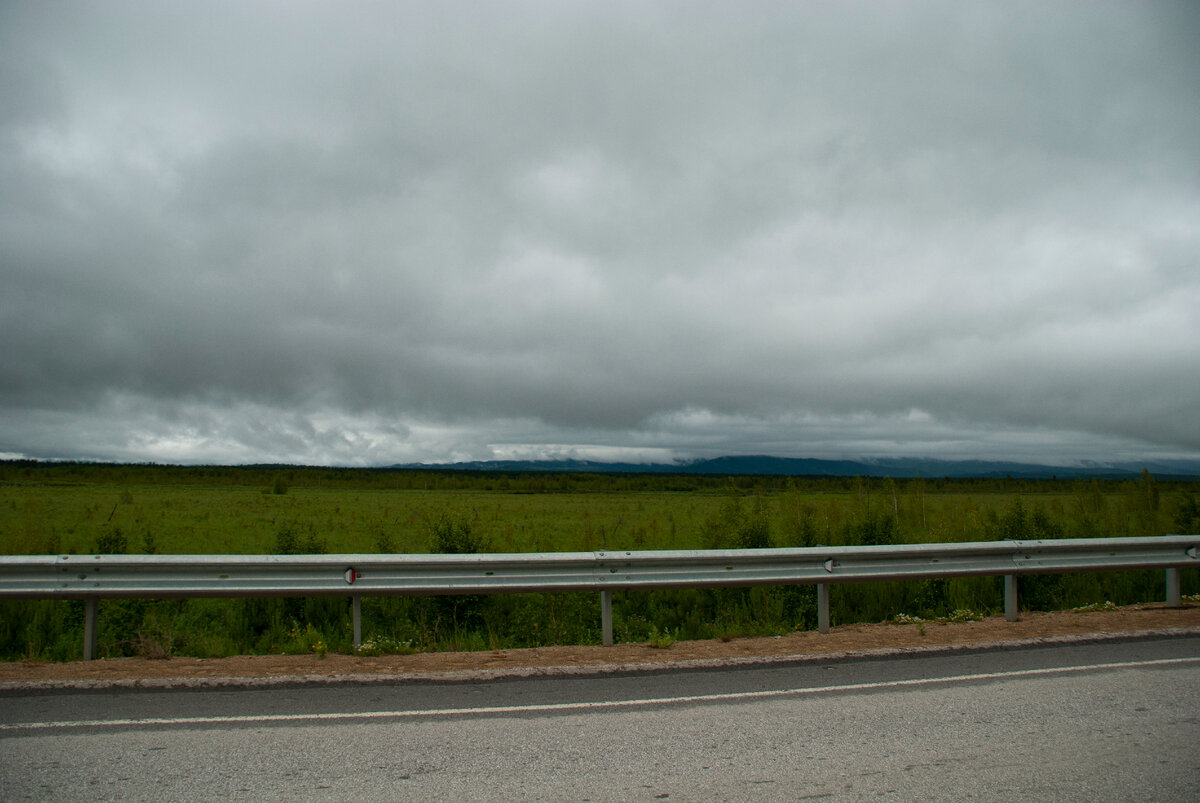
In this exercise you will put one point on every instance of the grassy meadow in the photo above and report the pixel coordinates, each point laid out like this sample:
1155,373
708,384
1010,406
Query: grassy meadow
85,508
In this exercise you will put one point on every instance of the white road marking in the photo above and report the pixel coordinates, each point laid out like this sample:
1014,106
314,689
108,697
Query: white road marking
259,719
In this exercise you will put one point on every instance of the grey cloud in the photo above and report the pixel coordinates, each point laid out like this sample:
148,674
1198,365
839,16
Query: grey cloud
509,230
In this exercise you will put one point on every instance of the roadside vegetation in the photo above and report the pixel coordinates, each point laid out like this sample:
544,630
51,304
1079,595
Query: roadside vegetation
91,508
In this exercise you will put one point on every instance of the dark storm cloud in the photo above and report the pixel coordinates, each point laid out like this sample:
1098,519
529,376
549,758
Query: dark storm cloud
395,232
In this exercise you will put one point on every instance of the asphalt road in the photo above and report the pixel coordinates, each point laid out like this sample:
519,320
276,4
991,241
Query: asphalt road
1113,720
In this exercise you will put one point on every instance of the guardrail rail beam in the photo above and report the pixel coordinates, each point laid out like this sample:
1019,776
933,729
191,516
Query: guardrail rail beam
93,577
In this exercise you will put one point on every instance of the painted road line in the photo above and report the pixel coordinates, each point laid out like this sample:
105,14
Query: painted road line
260,719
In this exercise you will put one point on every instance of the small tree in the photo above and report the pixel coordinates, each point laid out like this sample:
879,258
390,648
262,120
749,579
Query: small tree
453,536
734,527
112,542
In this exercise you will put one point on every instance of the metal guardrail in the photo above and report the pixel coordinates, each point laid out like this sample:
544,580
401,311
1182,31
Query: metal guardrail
92,577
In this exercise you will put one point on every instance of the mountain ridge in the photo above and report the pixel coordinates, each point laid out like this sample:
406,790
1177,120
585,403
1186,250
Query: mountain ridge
899,467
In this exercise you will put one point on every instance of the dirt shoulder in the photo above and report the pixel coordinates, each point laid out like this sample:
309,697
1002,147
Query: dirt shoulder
840,640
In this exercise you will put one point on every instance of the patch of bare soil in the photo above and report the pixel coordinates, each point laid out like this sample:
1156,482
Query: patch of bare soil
844,639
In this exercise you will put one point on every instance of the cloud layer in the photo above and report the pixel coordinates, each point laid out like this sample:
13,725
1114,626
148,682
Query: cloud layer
395,232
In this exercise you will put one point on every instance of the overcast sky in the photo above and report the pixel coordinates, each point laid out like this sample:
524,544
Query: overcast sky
369,233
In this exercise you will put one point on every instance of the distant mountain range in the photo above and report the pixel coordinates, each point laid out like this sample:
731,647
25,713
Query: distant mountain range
866,467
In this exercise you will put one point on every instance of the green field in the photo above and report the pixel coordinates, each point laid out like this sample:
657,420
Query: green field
82,508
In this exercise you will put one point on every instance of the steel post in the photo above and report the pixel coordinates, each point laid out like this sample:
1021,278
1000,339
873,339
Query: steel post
356,607
1173,600
91,609
823,607
606,618
1010,597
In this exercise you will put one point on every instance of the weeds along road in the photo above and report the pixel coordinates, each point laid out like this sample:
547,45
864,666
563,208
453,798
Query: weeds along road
1113,720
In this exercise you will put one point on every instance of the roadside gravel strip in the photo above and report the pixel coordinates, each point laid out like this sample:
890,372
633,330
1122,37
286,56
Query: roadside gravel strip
575,670
859,640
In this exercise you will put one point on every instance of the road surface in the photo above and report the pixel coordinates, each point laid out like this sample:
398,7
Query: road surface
1114,720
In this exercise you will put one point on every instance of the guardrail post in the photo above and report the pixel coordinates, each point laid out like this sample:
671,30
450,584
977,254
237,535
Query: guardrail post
606,618
1010,597
91,608
1173,600
823,607
356,610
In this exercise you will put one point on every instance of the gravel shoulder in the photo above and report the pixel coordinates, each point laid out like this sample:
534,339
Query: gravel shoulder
847,639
